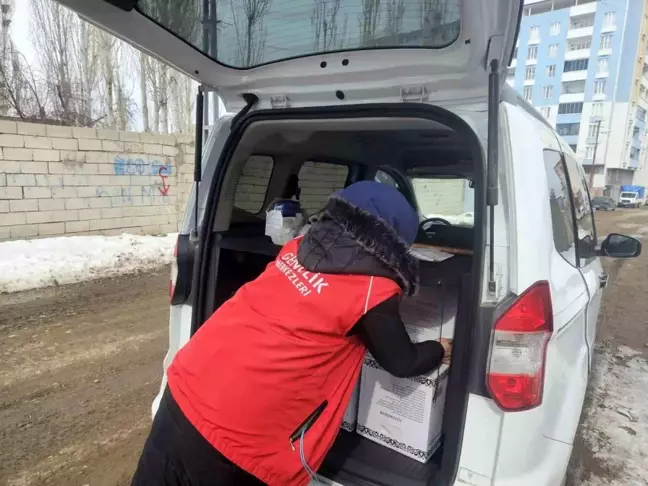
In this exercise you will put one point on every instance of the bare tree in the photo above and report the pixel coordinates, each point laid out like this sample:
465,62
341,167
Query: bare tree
369,21
395,11
21,92
324,24
143,62
163,102
250,30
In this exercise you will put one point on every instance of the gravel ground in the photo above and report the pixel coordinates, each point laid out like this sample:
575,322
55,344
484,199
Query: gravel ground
81,364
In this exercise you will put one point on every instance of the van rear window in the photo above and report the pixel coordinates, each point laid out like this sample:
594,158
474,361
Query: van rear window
248,33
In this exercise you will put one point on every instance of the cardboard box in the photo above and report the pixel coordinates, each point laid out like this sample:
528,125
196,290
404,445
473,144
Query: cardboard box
406,414
350,419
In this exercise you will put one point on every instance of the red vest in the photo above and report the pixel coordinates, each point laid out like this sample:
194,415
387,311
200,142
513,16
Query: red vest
268,357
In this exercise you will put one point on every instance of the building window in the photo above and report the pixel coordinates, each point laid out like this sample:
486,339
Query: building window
527,93
551,70
573,87
602,66
634,153
534,34
533,52
609,20
606,41
589,152
566,129
529,74
546,111
592,130
599,87
597,109
555,28
553,50
579,65
570,108
641,114
547,92
582,23
579,45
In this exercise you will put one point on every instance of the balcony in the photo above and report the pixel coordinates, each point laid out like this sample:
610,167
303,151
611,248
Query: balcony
608,28
575,76
588,8
571,97
575,33
602,74
578,54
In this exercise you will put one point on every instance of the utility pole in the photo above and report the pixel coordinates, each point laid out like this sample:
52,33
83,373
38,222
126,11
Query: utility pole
593,168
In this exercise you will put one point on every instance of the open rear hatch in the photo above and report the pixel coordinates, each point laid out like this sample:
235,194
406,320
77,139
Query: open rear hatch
322,52
276,56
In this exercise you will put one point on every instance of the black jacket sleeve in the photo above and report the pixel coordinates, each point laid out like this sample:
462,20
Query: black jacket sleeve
382,331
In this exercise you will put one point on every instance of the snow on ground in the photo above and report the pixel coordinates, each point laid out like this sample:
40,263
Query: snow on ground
30,264
616,427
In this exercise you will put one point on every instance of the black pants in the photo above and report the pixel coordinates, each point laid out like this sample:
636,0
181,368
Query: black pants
175,454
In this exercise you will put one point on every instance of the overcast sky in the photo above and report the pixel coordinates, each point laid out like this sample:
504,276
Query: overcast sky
20,29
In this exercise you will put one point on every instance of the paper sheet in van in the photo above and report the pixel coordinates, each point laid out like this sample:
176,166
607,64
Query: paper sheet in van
429,254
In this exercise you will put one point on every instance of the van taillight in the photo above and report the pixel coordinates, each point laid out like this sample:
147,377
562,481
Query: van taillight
174,271
517,361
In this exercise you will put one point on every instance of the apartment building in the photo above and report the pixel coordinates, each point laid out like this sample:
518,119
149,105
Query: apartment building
582,64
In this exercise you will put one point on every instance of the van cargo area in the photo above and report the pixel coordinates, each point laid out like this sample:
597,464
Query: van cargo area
432,156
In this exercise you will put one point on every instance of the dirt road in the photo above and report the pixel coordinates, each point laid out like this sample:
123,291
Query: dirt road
81,364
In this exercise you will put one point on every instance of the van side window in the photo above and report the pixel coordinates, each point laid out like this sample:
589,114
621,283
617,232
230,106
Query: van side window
560,203
317,181
253,182
582,210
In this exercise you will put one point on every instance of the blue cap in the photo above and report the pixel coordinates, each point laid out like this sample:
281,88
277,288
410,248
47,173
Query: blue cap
385,202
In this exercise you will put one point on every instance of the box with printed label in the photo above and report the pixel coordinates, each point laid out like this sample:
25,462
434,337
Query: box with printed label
351,413
406,414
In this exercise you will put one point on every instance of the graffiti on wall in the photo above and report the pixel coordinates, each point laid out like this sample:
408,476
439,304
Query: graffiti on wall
124,166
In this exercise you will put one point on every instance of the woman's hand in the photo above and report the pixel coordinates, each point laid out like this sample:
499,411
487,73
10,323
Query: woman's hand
447,350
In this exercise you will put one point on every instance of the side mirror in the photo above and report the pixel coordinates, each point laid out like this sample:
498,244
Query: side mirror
620,246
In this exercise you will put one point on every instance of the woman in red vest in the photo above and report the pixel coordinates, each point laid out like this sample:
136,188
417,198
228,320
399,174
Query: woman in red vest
258,394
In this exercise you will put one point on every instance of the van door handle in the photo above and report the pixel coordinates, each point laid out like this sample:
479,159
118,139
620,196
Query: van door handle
603,280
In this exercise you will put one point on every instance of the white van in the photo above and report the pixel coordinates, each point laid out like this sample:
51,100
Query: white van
337,91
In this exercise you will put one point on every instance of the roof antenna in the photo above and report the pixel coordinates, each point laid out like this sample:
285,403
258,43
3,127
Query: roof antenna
200,98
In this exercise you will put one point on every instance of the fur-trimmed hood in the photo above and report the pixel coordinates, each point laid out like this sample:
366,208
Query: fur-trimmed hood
346,239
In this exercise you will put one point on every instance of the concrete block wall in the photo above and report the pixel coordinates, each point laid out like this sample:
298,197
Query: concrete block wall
57,180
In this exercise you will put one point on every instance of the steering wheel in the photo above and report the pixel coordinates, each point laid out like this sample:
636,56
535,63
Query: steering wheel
433,221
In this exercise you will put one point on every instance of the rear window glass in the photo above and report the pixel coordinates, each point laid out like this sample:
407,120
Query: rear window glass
253,182
247,33
317,181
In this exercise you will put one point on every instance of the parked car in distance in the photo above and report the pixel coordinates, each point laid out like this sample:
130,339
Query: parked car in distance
603,203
